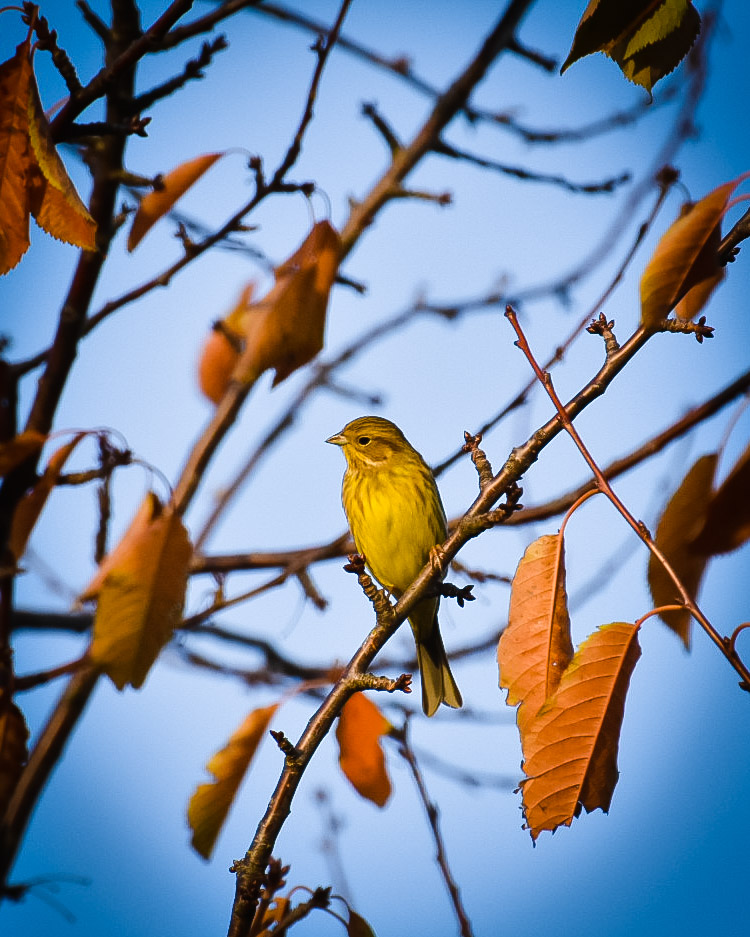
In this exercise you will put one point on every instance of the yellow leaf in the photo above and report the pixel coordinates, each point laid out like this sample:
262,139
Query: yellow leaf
685,256
140,591
18,449
30,506
285,329
13,754
660,45
221,350
536,646
727,524
156,204
15,160
681,522
359,730
210,803
54,202
646,38
570,751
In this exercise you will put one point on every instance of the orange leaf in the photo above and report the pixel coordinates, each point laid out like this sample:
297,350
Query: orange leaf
727,523
18,449
140,590
210,803
30,506
54,202
360,727
683,257
681,522
15,159
157,203
285,329
571,748
536,647
221,350
13,753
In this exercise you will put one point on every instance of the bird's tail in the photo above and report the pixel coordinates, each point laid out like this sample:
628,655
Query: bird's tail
438,685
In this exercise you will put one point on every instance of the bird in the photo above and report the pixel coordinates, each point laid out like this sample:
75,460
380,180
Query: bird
396,517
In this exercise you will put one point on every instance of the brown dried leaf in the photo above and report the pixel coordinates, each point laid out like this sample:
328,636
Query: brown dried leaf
360,728
357,926
30,506
536,647
15,157
210,803
646,38
727,524
140,590
13,753
53,200
285,329
571,748
681,522
684,257
156,204
18,449
221,350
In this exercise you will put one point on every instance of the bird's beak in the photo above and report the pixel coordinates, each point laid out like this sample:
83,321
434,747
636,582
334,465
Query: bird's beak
338,440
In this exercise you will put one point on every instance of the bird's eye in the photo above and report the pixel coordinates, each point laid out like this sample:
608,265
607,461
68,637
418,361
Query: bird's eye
363,440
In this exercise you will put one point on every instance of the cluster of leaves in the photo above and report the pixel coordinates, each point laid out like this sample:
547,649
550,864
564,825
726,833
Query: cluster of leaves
571,705
359,731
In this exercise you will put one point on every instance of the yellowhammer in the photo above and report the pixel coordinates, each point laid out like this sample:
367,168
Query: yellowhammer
396,518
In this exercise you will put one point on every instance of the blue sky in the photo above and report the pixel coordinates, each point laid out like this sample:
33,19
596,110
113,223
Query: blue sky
671,856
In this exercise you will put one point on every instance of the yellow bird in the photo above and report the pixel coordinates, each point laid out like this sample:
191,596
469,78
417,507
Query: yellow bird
396,518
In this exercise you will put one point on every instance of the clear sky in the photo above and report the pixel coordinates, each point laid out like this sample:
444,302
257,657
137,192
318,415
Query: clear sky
671,856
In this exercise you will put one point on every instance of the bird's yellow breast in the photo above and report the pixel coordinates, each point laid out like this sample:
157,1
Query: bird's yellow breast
395,521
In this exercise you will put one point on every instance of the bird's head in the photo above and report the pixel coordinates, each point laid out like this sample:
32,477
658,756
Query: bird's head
371,442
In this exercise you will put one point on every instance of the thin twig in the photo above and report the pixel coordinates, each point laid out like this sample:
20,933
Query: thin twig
433,817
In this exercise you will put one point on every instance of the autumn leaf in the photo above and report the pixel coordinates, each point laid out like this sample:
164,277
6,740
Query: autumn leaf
285,329
570,750
221,350
357,926
681,522
210,803
535,648
54,202
30,506
18,449
727,523
13,737
685,257
140,591
646,38
157,203
360,728
33,179
15,81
